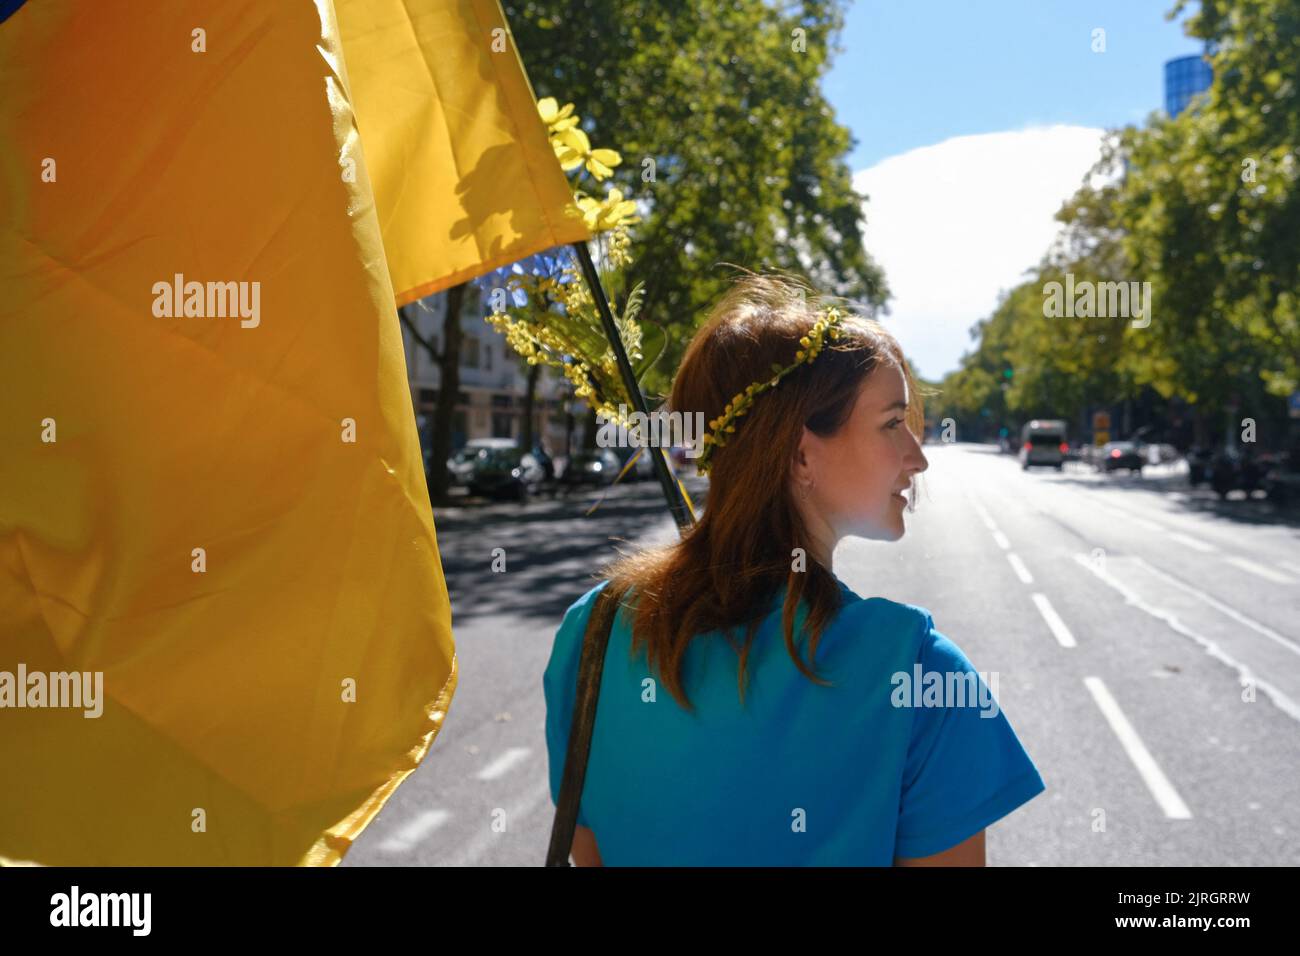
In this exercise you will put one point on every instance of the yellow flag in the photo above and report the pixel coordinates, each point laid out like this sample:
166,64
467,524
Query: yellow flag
225,636
465,179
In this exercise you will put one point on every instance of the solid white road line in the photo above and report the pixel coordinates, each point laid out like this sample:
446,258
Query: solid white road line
1054,622
1268,574
1245,676
499,767
1196,544
1289,643
1142,522
1159,785
1022,572
1001,540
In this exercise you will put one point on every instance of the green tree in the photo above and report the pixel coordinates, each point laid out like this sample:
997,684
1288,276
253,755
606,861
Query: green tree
725,136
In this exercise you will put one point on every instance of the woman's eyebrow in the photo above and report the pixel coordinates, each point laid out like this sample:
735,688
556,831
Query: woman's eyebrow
893,405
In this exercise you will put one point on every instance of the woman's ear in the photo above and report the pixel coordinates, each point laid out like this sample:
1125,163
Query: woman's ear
801,469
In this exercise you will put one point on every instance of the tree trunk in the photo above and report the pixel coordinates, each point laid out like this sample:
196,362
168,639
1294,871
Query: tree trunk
568,427
526,438
444,411
448,390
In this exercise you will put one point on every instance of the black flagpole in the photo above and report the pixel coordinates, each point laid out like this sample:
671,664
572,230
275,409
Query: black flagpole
676,503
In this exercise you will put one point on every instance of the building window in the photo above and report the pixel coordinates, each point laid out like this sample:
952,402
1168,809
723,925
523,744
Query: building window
487,358
502,425
469,352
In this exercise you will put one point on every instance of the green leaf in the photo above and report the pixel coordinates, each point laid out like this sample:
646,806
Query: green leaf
654,340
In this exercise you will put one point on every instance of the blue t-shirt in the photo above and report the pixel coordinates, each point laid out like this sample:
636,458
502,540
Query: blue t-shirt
851,775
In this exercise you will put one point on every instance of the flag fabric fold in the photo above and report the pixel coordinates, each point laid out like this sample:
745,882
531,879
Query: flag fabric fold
212,498
465,179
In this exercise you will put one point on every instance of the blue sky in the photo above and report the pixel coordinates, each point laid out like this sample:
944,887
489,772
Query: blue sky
974,121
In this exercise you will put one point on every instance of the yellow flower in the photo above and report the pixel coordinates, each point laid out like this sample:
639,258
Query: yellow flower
617,210
573,148
601,162
612,213
557,120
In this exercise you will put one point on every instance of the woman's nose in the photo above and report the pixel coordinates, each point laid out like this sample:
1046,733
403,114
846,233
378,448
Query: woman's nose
920,462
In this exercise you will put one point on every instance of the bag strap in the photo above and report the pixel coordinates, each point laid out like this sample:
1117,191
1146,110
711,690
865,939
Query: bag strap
590,665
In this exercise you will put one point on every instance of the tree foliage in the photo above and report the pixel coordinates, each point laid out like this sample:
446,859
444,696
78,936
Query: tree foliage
726,139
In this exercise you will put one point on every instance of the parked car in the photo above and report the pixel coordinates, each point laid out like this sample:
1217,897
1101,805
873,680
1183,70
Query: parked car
595,466
506,473
460,464
1231,469
1282,477
1042,442
1121,455
1199,460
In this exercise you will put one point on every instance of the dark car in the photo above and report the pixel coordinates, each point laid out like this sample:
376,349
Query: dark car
461,463
597,466
1199,464
506,473
1282,477
1231,469
1121,455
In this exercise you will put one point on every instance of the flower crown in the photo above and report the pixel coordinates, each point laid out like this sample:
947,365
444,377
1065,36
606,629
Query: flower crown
827,325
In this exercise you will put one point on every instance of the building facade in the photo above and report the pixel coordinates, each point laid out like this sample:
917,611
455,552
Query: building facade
1185,76
493,380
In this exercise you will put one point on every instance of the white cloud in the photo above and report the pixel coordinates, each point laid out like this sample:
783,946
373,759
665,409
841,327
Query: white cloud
954,223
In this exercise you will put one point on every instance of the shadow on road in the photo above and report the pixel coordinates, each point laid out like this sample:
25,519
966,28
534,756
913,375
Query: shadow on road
552,548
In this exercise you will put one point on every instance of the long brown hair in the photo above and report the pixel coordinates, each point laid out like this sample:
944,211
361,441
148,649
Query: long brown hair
725,570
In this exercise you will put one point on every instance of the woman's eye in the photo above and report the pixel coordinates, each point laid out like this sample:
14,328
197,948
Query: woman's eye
894,423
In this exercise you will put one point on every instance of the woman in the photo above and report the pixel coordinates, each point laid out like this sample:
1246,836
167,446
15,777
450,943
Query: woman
800,744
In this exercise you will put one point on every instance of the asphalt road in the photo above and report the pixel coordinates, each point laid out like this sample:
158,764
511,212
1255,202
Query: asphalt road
1146,638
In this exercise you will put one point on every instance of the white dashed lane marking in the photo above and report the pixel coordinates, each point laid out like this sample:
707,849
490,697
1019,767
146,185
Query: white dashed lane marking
1054,622
415,831
1022,572
1163,791
503,764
